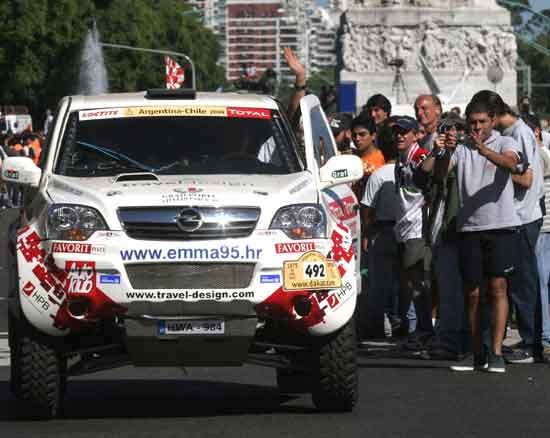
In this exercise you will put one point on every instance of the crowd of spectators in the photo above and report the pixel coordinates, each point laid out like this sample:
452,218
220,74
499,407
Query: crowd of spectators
451,222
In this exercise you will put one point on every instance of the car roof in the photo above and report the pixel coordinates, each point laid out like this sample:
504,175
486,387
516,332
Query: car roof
116,100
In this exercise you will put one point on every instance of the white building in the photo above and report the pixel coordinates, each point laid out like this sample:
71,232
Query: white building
322,38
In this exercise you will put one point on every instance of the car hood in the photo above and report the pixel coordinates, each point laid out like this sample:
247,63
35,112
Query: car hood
107,194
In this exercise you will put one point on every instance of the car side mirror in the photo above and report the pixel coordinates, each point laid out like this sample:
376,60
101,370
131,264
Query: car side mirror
341,169
21,170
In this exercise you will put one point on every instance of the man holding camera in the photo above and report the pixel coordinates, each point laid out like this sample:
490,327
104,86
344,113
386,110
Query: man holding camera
487,223
528,190
441,236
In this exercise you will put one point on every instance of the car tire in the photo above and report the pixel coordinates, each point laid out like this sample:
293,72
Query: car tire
293,382
335,386
38,376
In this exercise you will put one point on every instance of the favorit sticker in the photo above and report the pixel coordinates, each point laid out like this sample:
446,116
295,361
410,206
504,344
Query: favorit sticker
78,248
284,248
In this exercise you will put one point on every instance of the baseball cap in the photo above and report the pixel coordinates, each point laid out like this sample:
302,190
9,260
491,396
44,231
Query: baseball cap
406,122
339,122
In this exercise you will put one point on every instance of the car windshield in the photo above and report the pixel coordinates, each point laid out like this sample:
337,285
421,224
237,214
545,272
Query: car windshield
176,145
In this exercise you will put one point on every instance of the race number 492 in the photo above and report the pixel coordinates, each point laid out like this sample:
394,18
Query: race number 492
315,270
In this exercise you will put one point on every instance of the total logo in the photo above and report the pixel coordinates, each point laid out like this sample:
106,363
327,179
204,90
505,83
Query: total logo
249,113
80,277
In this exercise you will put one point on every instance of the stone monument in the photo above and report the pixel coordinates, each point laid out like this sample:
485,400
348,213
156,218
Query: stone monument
403,48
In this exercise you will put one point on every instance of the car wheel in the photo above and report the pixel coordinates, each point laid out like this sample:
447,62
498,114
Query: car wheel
335,386
293,382
38,376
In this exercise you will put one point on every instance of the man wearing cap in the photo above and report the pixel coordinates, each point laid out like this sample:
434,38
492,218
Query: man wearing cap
408,231
340,124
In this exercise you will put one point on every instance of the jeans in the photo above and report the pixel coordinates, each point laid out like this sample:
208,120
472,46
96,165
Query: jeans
383,278
543,260
453,331
524,290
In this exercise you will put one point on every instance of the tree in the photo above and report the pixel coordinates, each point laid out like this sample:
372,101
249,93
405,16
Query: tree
42,42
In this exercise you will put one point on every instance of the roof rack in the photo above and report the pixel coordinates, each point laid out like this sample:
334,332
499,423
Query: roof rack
165,93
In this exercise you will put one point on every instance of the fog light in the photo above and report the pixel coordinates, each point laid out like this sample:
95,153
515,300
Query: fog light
78,309
302,305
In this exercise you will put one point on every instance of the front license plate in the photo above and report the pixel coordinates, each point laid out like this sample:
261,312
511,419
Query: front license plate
192,327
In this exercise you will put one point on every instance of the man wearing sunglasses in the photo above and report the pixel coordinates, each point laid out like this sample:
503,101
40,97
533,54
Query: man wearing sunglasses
408,230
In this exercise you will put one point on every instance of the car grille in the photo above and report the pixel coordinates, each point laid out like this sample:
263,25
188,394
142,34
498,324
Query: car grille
188,223
190,275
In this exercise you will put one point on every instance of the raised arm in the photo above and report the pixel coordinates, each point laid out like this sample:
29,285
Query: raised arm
299,83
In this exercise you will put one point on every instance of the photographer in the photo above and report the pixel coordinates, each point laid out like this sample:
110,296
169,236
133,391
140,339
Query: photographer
441,237
487,222
528,189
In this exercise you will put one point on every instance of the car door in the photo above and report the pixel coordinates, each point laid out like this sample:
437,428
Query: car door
319,145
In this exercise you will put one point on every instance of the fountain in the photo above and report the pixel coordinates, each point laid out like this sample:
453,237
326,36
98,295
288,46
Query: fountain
93,74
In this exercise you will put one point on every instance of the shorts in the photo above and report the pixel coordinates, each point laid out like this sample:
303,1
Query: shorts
411,252
490,253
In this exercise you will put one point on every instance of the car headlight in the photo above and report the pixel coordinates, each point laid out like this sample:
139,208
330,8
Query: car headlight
73,222
301,221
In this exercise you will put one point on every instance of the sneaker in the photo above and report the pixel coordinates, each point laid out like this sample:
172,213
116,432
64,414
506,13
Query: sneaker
519,356
471,363
441,353
496,363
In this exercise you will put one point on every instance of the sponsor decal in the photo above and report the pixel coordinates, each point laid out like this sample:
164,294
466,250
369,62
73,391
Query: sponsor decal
270,278
268,233
66,187
11,173
77,248
248,113
99,114
340,296
108,234
190,295
113,193
285,248
189,190
188,196
311,271
175,111
39,301
298,186
341,173
109,279
222,252
29,288
80,277
343,208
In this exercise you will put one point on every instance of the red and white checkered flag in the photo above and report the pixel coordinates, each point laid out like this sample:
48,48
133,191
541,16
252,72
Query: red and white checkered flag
175,74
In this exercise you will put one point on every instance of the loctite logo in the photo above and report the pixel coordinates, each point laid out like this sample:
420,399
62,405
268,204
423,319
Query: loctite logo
97,114
281,248
249,113
77,248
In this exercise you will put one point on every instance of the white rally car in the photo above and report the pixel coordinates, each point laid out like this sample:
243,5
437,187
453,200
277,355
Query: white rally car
174,228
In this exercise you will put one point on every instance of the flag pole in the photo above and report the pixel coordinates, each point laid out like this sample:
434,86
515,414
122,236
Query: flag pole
162,52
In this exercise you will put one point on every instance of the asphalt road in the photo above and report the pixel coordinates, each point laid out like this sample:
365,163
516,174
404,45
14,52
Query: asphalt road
398,398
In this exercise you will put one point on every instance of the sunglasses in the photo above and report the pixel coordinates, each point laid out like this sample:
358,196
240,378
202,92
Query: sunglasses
401,131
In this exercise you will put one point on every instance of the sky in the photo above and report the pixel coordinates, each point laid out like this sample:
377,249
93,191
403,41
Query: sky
537,5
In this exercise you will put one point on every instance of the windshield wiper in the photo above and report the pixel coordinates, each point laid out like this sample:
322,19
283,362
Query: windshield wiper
117,156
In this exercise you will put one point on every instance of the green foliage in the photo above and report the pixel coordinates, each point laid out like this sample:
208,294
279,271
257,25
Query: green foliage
42,42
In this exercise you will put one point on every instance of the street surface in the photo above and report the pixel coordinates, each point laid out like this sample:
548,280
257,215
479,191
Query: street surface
399,397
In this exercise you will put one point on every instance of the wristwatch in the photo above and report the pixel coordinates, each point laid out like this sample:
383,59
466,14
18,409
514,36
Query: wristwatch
300,87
